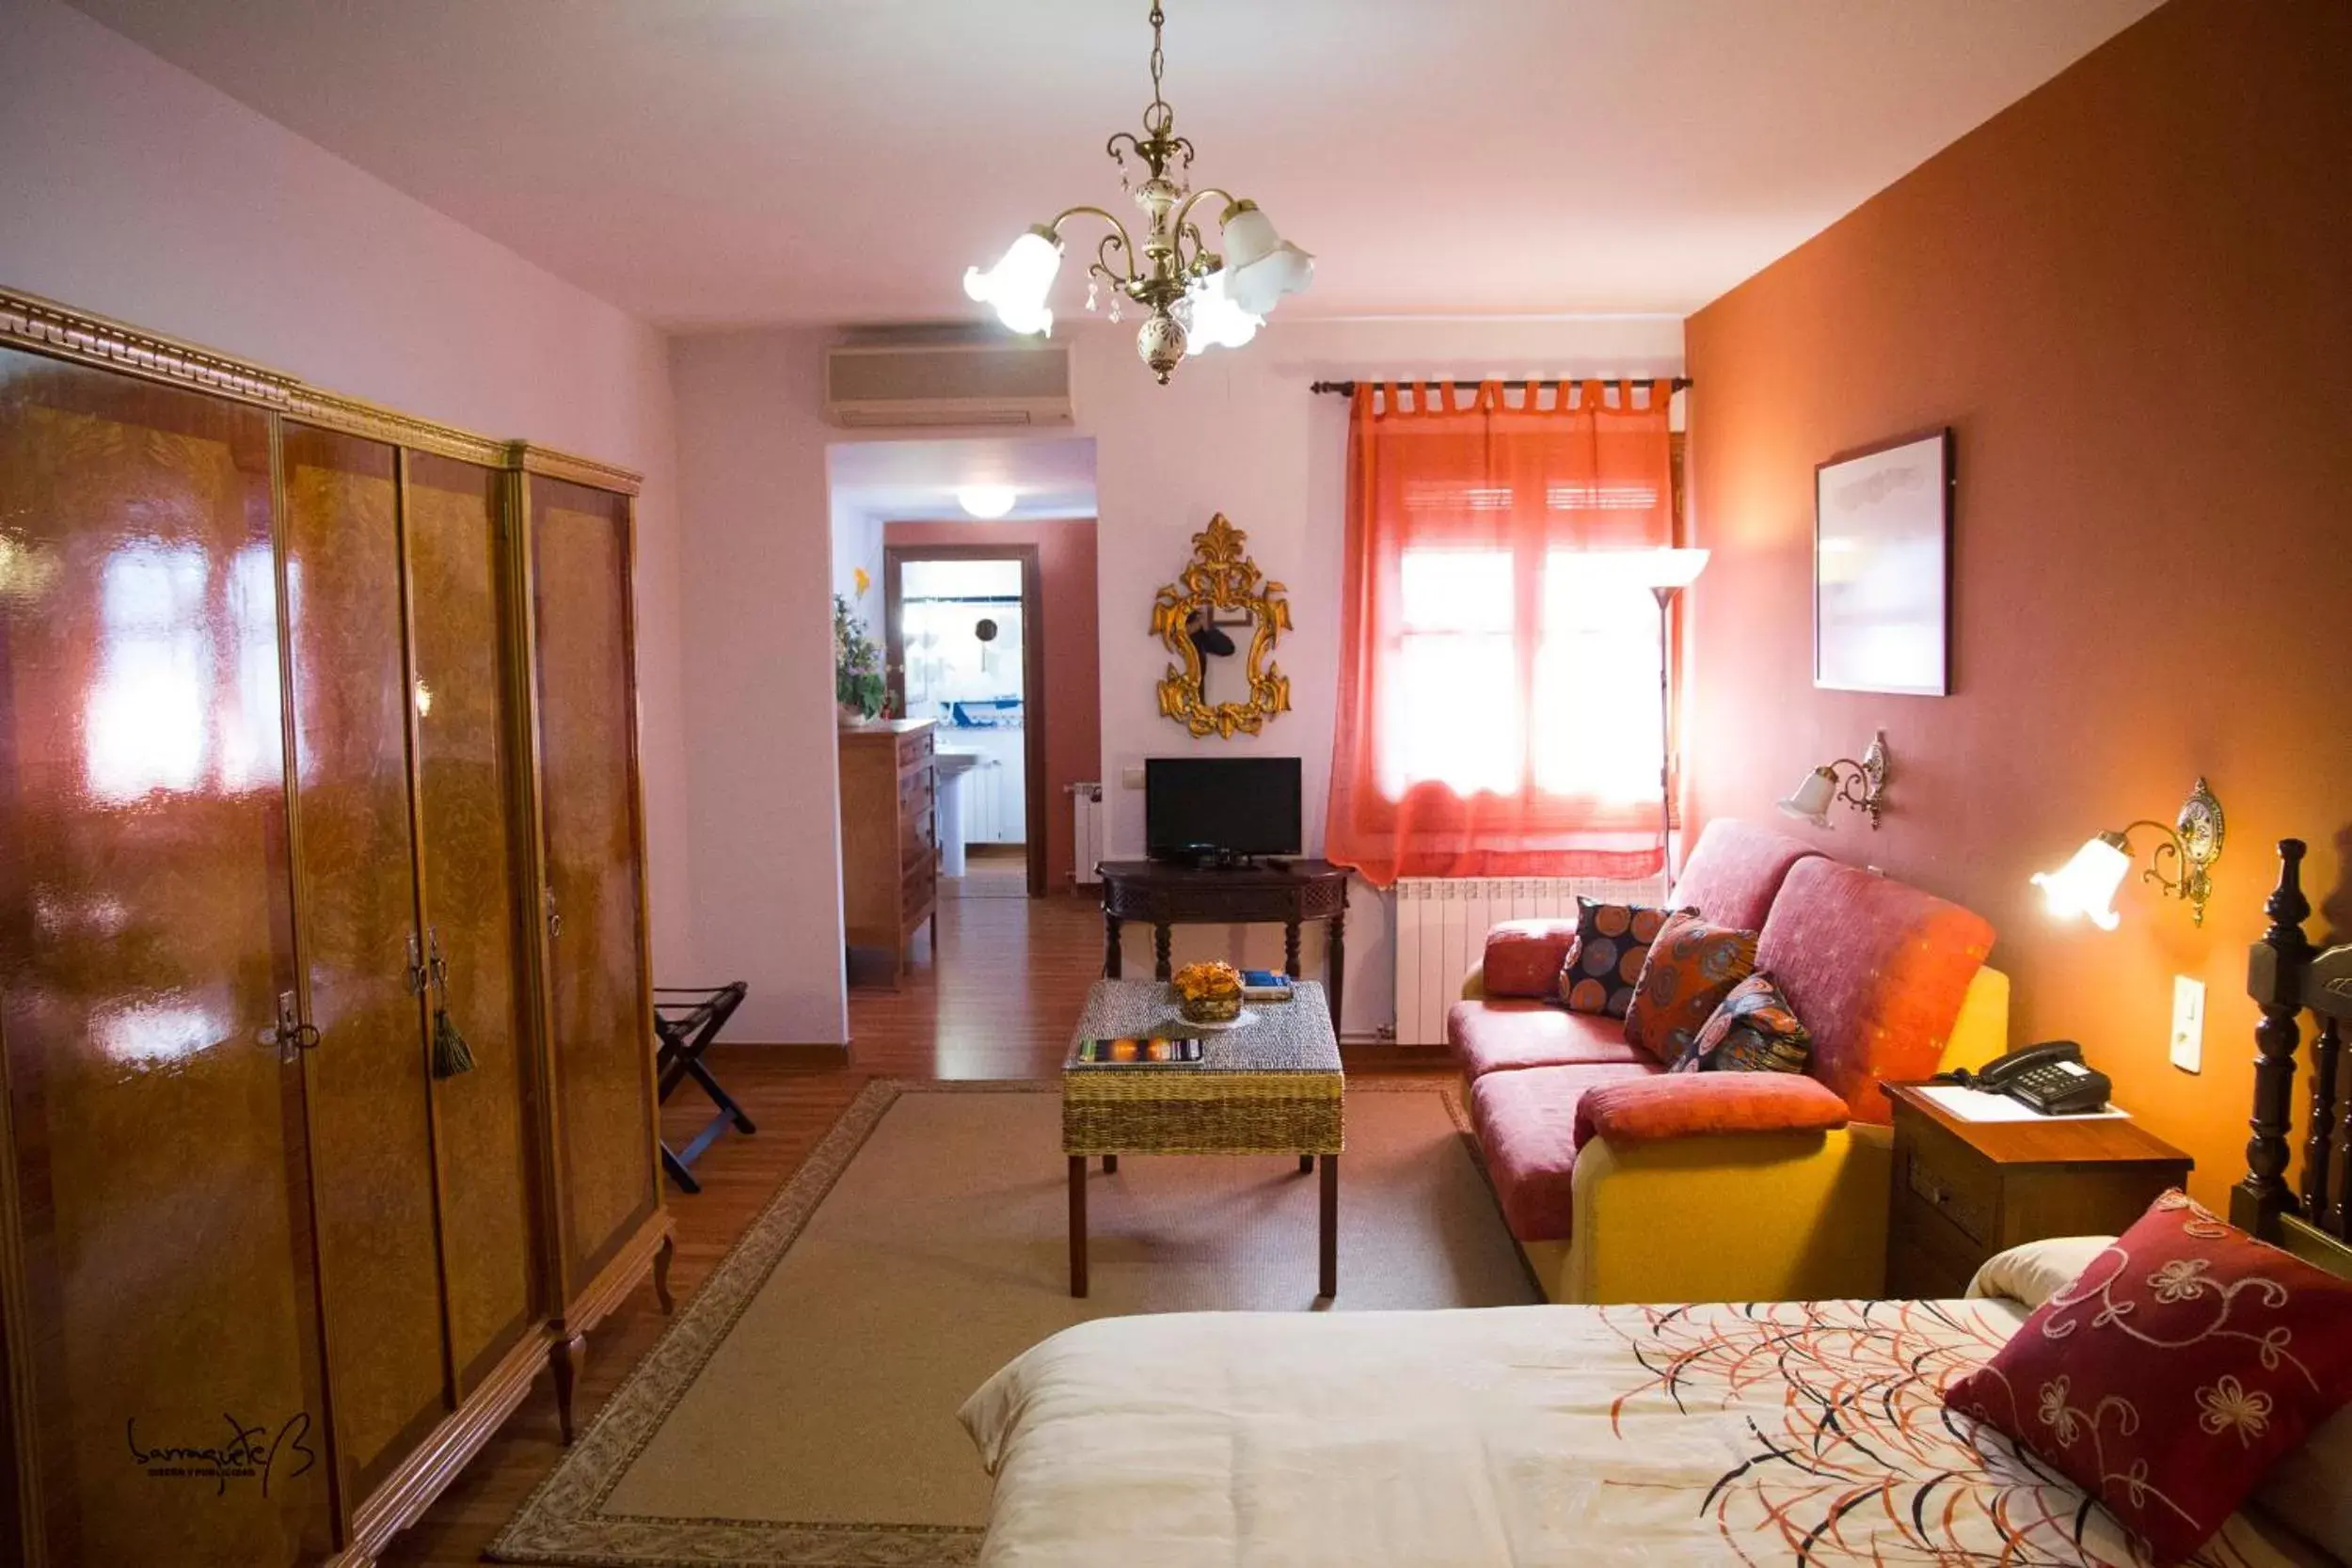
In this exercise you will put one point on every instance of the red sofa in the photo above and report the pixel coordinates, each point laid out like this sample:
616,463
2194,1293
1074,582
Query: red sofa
1622,1182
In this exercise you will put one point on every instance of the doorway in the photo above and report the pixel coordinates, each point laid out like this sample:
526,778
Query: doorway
962,647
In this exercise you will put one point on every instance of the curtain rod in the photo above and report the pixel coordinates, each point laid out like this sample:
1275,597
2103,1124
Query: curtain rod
1347,388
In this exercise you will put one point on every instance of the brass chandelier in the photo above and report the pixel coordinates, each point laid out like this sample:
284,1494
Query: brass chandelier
1194,299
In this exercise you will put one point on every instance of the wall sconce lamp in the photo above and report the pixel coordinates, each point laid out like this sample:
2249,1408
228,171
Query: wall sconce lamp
2086,884
1860,785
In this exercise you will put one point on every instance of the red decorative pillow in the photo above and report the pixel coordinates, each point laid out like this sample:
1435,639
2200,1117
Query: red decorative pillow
1523,957
2169,1378
1692,967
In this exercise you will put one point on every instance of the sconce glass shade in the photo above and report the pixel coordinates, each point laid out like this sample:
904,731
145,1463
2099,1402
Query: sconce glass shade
1672,570
2086,884
1018,283
1811,798
1261,266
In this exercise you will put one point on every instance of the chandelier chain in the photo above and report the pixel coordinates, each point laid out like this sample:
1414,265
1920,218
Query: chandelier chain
1159,105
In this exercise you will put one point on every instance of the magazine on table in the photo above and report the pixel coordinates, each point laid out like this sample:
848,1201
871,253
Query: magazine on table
1138,1053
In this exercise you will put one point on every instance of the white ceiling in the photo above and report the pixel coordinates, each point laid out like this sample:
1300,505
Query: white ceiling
723,162
893,481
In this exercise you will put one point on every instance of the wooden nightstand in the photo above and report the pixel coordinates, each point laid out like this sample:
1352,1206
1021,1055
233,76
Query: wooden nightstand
1966,1189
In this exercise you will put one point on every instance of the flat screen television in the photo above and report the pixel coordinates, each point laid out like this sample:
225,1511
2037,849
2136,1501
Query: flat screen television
1234,806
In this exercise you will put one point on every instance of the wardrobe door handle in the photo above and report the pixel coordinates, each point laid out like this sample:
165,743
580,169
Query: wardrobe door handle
288,1032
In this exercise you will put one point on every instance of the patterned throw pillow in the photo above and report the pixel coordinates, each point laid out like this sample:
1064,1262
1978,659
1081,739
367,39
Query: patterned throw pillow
1692,967
1755,1030
2173,1373
1612,943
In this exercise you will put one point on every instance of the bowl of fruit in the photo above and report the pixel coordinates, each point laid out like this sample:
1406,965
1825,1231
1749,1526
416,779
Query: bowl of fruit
1208,993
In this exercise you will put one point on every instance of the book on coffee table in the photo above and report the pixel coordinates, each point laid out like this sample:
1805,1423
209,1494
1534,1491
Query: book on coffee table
1138,1053
1265,985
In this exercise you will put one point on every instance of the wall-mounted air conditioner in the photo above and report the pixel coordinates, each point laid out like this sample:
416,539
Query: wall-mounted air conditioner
870,385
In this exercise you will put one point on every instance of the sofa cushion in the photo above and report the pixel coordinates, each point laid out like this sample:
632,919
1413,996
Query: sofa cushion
1692,967
1487,1036
1734,872
1755,1030
1523,957
1612,945
1876,969
1679,1106
1526,1126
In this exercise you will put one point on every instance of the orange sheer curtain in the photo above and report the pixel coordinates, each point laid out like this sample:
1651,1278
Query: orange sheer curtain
1499,653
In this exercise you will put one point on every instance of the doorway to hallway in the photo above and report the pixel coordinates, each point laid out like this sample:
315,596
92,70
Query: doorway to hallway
962,649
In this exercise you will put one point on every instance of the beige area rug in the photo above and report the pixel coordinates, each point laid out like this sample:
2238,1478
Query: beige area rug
802,1409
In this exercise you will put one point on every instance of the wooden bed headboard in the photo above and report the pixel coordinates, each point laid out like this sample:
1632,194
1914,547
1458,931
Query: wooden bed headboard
2287,976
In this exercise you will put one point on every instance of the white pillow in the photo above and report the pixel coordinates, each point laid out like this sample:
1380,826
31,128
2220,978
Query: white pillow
2310,1491
2032,1273
2311,1487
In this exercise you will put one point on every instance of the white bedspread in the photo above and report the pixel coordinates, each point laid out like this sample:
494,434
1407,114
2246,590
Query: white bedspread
1526,1436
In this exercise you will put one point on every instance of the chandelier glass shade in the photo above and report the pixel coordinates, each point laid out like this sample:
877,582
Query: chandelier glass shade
1193,298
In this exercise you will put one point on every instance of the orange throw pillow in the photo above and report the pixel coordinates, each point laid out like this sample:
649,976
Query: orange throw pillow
1692,967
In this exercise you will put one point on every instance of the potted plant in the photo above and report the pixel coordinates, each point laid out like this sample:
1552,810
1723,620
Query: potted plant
857,677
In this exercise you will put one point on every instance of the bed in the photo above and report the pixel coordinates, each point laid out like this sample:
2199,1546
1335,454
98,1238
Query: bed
1761,1433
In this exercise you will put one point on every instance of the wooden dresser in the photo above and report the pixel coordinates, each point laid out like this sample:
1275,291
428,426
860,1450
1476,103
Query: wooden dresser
1966,1189
889,836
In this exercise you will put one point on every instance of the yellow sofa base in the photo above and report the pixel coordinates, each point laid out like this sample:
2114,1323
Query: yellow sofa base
1745,1216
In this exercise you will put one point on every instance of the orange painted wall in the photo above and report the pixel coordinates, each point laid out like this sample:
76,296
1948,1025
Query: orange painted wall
2130,294
1069,623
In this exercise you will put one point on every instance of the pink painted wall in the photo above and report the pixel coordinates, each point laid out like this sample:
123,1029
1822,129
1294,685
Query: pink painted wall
135,190
1069,625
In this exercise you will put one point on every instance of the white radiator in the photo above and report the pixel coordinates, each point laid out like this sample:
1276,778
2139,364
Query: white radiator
1441,925
1091,814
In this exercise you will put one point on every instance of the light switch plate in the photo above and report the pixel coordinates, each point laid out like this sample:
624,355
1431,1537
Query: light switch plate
2188,1023
1132,777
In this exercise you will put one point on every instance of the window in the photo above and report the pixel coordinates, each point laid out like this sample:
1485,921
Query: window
1499,709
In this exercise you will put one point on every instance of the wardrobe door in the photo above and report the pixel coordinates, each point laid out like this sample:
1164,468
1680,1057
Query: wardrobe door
462,782
586,703
372,1163
158,1287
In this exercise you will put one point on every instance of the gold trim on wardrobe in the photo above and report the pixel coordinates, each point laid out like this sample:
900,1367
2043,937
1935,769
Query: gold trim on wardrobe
45,326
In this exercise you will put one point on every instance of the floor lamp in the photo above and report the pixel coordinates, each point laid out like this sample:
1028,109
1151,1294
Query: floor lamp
1666,573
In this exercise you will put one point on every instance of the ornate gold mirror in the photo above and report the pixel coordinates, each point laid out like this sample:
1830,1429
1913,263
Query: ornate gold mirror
1221,589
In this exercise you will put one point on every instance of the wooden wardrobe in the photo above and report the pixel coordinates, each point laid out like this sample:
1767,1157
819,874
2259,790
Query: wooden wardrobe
316,721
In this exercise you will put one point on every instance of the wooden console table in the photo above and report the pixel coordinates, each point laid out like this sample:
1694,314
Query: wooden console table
1166,895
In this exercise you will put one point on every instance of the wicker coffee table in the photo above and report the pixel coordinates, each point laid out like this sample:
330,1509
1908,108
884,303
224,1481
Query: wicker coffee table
1271,1087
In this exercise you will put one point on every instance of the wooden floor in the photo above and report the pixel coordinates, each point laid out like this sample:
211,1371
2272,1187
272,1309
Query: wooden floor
1016,976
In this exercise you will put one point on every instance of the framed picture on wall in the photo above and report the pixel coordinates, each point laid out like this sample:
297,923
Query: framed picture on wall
1882,568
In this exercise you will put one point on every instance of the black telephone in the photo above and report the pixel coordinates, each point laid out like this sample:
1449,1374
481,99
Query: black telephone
2049,1077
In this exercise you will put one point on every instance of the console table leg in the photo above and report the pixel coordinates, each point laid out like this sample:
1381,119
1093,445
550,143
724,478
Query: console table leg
1330,1248
1077,1224
1111,955
1290,948
1335,961
1161,968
